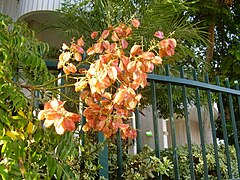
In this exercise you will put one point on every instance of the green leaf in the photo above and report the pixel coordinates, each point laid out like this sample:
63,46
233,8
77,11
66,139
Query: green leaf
3,172
51,164
59,171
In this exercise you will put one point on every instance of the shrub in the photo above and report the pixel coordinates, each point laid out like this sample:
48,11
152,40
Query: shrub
184,163
144,165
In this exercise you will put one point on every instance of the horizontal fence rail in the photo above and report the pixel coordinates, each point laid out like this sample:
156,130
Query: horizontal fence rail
191,83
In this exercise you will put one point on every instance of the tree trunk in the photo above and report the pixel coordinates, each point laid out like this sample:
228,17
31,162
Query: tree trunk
210,47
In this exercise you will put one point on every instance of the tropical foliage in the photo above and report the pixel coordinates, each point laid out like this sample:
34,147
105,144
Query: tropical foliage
28,150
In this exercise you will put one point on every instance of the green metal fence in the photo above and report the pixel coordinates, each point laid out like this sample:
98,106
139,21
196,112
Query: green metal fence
202,94
228,100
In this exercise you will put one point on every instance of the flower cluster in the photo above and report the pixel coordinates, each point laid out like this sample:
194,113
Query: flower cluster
75,52
109,87
55,114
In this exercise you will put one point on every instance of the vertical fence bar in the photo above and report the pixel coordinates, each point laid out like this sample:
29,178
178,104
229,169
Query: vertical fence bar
200,124
213,129
238,99
224,129
36,100
173,128
155,121
119,155
234,126
187,125
103,157
155,118
139,131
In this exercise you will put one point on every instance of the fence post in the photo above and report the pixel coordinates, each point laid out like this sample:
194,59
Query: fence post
139,132
173,128
224,130
200,122
234,126
187,125
103,157
155,121
119,155
213,127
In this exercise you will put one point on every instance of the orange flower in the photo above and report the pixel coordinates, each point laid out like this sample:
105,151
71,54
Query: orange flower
94,34
55,114
148,55
124,44
105,34
70,68
135,23
135,50
80,42
159,34
80,85
167,47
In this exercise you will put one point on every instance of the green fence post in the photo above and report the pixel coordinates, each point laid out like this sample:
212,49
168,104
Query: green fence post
200,124
173,128
155,121
139,131
225,136
36,100
238,99
119,155
103,157
213,127
187,125
234,126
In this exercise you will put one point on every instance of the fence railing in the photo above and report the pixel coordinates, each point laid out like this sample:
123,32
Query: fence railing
201,94
224,129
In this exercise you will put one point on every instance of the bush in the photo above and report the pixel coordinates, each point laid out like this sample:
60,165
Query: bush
144,165
183,161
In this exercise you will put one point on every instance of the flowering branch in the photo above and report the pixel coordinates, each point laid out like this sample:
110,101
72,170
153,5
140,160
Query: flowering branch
115,65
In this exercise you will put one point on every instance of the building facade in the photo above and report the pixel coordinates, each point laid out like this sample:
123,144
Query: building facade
36,13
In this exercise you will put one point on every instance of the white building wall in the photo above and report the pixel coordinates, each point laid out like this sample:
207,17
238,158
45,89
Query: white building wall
18,8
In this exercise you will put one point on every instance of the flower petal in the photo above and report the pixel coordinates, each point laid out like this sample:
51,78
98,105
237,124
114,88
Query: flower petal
48,123
135,23
94,34
159,34
60,129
